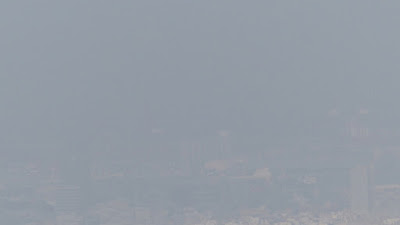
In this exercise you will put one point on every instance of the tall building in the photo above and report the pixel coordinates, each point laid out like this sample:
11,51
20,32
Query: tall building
359,189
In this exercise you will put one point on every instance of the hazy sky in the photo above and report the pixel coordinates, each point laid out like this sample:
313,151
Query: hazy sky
77,71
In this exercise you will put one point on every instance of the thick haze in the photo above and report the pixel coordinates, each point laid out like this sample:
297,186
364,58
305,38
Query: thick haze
77,73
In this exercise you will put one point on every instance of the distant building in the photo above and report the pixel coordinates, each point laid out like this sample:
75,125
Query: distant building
359,189
355,129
